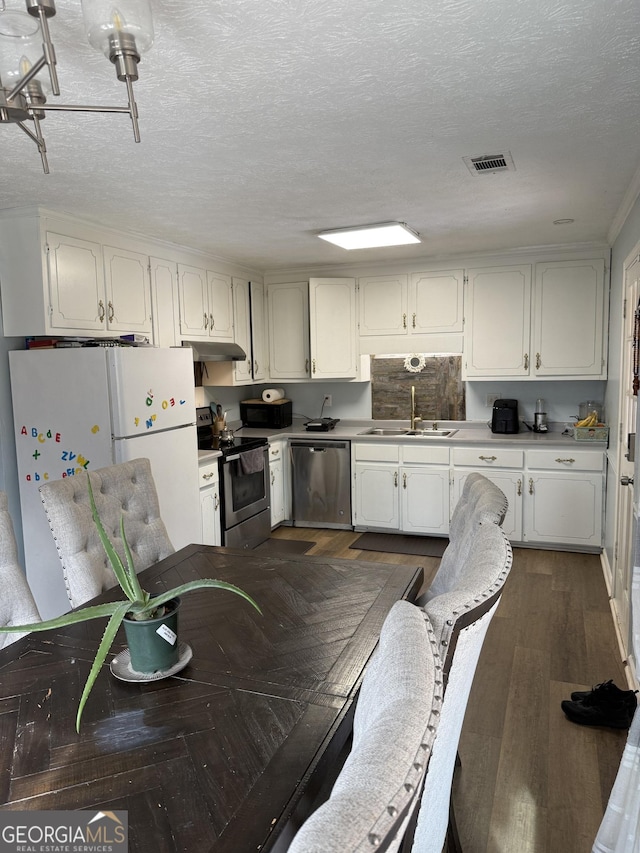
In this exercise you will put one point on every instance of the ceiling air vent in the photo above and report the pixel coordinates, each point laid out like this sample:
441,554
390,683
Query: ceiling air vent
489,163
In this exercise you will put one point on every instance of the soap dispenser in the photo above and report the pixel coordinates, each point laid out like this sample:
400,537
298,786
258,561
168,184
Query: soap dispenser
540,417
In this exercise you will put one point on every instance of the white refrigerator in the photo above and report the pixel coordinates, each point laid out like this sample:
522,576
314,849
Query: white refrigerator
81,408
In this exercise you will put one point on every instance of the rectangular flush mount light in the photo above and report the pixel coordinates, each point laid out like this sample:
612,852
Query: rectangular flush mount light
370,236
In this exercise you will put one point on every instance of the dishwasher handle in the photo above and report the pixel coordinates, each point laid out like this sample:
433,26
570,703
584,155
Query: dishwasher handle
320,447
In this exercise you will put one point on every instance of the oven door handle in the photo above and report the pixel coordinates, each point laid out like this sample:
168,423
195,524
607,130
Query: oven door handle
232,458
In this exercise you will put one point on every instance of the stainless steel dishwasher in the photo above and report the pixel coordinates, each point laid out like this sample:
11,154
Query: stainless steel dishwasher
321,483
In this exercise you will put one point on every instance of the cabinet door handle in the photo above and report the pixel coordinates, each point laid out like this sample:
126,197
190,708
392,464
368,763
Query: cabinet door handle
101,311
306,365
255,368
217,502
538,361
395,479
273,479
314,365
530,485
404,481
413,322
569,460
205,321
275,451
211,323
208,476
111,311
519,492
404,321
488,458
526,361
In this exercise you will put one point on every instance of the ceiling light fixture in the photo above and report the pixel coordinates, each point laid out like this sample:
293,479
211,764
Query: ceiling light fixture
121,29
371,236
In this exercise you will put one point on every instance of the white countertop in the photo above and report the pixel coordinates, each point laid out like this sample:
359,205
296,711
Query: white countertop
467,432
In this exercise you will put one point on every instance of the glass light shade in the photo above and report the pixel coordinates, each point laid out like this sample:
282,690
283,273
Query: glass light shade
20,47
371,236
106,19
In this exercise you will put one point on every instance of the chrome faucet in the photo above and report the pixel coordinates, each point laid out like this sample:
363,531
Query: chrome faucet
414,418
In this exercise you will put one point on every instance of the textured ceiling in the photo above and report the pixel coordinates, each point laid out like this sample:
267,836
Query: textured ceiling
265,121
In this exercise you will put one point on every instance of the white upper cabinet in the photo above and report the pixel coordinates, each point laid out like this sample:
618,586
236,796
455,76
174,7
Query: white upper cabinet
435,302
423,303
497,321
220,306
383,305
76,283
194,301
288,318
128,290
164,302
549,322
206,304
568,315
312,329
242,329
332,315
259,350
60,277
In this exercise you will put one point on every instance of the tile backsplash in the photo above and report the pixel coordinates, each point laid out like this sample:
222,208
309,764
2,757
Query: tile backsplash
440,391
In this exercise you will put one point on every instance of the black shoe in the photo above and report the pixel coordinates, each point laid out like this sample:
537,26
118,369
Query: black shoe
615,714
604,693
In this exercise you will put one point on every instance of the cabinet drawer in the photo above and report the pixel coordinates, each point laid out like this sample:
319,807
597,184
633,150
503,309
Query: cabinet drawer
276,451
420,453
491,457
566,459
376,452
208,473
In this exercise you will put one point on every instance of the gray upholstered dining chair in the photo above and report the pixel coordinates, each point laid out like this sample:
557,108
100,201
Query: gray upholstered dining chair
17,606
394,727
126,490
460,620
481,502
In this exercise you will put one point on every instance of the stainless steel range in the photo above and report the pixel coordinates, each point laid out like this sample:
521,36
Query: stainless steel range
244,484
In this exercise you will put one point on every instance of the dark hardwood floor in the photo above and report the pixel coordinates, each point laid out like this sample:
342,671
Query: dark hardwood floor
530,781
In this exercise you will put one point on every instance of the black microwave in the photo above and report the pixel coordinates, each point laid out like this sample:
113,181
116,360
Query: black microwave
257,413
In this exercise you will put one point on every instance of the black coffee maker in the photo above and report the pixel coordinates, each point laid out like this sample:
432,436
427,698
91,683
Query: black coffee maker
505,417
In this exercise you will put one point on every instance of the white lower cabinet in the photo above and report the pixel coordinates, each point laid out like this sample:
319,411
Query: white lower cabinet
210,503
401,487
277,458
555,496
564,497
504,467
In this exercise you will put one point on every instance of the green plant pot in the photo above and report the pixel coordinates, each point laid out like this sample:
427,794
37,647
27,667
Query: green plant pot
149,640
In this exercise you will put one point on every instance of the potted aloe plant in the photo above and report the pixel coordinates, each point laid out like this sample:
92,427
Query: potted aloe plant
138,607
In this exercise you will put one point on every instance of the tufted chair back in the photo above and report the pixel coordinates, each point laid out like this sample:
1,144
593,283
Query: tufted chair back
17,606
394,728
481,502
460,620
126,489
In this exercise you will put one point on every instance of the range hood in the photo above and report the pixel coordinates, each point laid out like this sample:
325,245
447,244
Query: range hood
215,351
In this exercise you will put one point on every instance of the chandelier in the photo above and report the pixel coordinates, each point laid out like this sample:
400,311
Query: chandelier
121,29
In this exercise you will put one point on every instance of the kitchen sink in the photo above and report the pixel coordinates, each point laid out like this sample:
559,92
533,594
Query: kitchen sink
417,433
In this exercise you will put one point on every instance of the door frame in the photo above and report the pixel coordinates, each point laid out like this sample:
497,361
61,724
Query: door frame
625,495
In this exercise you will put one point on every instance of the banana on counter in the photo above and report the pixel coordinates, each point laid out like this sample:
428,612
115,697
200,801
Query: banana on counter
590,421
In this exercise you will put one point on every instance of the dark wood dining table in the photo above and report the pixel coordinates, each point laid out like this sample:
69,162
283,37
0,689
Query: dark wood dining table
229,754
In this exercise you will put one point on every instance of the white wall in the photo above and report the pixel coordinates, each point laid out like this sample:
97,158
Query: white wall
349,399
8,463
561,398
